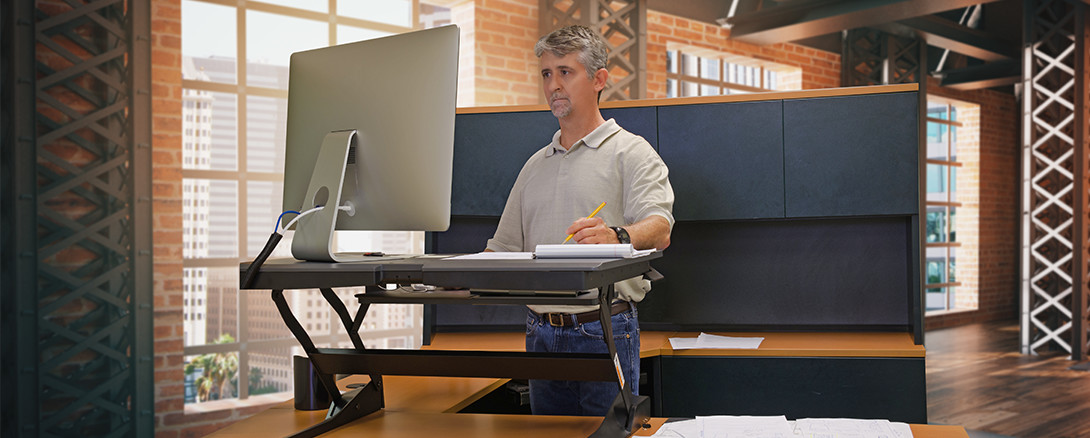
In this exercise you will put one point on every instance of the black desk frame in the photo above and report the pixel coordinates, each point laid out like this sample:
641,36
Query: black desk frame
626,415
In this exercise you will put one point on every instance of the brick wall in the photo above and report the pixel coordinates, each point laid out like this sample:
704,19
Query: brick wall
497,64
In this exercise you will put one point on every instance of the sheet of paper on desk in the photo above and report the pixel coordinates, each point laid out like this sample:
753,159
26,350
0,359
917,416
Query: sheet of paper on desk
714,341
727,426
681,429
600,251
497,255
850,428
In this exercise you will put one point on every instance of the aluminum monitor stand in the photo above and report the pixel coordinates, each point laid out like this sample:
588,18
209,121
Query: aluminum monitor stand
313,239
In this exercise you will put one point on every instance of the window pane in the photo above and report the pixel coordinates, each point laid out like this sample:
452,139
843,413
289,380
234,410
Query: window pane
265,130
671,88
209,218
688,65
936,299
688,89
936,183
266,75
936,224
953,224
271,370
937,110
310,5
953,183
263,206
430,16
709,68
263,321
209,130
349,34
397,12
209,377
936,270
953,143
268,44
952,263
709,90
671,61
937,141
201,46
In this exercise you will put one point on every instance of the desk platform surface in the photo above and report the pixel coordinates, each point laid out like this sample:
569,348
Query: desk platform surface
777,344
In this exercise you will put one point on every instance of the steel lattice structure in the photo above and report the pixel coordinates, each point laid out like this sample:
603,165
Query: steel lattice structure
1054,174
624,26
873,57
82,182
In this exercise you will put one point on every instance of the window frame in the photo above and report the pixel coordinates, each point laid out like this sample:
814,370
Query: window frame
242,176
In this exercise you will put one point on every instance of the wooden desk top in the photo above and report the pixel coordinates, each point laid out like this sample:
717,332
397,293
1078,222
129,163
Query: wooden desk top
283,420
777,344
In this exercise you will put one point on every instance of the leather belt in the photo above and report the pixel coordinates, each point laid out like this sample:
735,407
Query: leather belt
570,319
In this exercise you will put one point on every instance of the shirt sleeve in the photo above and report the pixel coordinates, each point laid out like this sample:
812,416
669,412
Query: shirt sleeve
647,191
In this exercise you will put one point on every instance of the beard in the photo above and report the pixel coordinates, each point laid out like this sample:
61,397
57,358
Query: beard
560,105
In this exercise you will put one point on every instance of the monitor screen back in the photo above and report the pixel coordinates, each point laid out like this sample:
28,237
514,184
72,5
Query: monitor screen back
399,94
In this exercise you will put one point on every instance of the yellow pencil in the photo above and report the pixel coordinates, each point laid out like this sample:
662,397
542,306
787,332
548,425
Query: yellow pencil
596,210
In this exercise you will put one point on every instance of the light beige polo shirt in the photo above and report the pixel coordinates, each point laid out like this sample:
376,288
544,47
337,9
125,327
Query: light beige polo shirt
558,186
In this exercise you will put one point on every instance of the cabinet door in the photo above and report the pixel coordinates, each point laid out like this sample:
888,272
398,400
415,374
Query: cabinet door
725,159
853,155
489,151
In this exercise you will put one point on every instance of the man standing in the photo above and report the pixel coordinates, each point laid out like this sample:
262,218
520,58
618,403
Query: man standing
589,161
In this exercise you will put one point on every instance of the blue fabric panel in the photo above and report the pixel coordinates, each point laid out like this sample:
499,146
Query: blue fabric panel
725,159
639,121
811,273
854,155
489,151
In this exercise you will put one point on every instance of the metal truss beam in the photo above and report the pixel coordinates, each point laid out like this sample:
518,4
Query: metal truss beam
1055,171
946,34
797,20
77,216
624,26
992,74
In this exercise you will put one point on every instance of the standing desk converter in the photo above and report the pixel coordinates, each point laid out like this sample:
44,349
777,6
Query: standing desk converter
593,276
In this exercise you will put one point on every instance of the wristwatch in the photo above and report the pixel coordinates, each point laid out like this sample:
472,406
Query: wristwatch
622,235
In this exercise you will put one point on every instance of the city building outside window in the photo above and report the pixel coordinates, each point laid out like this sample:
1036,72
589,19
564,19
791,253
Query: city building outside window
235,72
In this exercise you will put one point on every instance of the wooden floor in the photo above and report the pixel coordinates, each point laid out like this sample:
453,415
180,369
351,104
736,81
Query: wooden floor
977,378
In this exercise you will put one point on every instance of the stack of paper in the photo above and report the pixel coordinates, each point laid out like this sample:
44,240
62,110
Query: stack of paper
724,426
712,341
850,428
601,251
728,426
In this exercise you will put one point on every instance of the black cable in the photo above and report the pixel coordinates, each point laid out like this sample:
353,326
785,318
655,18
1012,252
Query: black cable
251,272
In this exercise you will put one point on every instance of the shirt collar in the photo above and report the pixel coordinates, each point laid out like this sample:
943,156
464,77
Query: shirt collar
592,140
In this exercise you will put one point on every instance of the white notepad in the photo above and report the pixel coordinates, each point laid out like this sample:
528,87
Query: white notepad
602,251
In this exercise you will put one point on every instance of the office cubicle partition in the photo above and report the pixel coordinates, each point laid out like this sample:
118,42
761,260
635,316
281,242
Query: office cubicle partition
796,211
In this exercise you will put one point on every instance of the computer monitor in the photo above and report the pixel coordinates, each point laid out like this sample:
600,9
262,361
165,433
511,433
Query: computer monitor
371,125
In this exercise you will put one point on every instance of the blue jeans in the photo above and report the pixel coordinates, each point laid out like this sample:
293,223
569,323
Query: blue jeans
566,397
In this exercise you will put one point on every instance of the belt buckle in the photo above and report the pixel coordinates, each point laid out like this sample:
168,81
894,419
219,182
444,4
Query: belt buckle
558,322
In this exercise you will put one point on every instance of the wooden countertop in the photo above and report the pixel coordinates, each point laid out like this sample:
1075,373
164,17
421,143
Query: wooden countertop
776,344
426,406
283,420
729,98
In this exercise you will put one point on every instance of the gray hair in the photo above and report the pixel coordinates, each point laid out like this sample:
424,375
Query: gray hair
593,49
